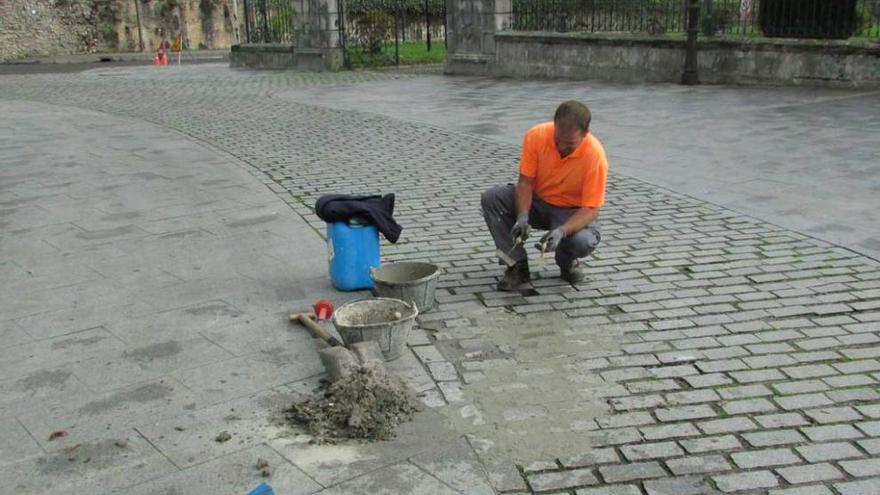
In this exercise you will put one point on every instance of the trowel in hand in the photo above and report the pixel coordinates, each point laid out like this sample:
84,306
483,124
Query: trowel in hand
504,256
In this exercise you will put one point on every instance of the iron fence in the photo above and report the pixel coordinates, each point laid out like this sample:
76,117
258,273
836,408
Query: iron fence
372,32
386,32
269,21
650,16
833,19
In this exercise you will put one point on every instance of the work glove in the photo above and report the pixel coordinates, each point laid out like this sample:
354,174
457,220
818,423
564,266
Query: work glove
551,240
521,229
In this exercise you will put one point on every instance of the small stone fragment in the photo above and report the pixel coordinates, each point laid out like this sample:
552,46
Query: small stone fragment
224,436
262,463
356,419
57,434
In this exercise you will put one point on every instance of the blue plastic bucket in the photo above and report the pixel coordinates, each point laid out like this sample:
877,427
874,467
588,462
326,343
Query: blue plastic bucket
354,251
262,489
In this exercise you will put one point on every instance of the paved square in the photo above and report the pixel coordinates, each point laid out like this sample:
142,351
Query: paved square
157,228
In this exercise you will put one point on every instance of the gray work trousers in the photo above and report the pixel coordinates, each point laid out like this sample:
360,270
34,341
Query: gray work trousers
499,210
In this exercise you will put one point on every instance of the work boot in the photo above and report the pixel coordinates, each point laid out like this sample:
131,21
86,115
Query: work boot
515,276
573,274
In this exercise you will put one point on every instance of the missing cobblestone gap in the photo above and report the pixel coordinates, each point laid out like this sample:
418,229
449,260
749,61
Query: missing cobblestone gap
529,397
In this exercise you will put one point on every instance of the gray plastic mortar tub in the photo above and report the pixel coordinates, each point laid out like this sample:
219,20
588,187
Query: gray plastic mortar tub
387,321
407,281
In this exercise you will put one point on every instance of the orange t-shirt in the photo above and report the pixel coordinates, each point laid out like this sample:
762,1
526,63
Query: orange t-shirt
577,180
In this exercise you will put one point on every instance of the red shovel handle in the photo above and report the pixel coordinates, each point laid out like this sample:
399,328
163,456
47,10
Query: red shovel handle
323,309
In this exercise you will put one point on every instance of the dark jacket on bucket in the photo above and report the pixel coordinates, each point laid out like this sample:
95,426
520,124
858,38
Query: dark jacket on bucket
374,210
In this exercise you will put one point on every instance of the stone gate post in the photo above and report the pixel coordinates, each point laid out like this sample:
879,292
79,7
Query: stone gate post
317,44
470,29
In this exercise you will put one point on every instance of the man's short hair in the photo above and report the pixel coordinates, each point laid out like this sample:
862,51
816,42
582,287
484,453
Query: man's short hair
574,112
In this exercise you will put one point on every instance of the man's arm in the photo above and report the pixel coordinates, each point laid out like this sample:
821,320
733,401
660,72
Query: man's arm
580,220
525,188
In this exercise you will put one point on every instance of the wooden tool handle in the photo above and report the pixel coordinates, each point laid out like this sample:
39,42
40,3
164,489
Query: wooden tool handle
315,329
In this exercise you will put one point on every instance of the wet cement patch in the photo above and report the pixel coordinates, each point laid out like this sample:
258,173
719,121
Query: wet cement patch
371,312
214,182
218,308
154,351
74,342
94,235
184,234
829,228
526,398
247,222
144,394
149,176
289,293
96,455
115,217
871,243
44,379
21,201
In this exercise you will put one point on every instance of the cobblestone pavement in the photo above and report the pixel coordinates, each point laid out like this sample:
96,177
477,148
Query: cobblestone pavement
758,151
737,356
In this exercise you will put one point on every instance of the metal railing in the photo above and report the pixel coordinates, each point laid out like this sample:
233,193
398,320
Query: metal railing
837,19
832,19
649,16
375,31
269,21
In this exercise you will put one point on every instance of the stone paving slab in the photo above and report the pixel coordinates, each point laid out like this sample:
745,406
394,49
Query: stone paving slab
234,473
458,467
108,465
113,331
400,478
16,442
190,439
335,464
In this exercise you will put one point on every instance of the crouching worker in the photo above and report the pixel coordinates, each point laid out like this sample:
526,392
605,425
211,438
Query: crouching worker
562,175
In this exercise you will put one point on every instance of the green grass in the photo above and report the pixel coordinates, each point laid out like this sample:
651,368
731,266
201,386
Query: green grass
410,53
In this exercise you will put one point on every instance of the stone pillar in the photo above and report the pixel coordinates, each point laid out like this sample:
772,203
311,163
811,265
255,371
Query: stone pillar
470,30
317,35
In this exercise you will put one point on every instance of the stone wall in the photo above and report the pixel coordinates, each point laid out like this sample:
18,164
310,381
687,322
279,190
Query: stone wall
481,43
271,56
33,28
790,62
210,24
644,59
551,55
40,27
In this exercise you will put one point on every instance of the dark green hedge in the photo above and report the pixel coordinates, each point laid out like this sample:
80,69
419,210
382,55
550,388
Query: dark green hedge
411,8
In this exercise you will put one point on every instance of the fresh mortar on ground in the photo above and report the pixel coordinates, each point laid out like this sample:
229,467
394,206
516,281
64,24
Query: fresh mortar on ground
368,404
